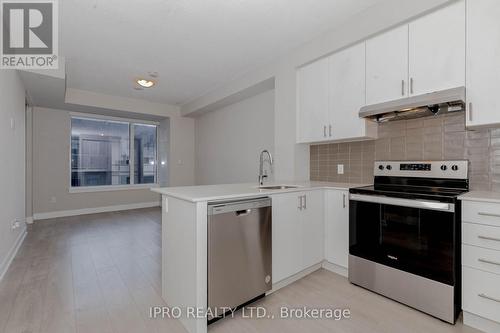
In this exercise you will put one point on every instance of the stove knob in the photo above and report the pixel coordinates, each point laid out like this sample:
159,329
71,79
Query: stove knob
381,167
388,167
454,168
444,167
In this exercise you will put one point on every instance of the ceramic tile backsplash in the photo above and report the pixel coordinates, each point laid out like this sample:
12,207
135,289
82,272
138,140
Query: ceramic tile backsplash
432,138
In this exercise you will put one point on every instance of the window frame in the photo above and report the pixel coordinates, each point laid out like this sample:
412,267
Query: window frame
132,185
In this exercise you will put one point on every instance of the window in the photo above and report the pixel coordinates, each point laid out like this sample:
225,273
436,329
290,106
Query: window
145,154
102,153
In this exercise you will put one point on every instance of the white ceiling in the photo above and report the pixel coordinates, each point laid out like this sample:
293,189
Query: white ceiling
194,45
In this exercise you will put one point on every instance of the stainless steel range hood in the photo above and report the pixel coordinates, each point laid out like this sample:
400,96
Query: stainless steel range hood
440,102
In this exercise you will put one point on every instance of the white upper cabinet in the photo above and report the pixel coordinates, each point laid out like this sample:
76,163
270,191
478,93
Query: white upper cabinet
424,56
330,93
387,66
437,50
347,94
312,102
483,63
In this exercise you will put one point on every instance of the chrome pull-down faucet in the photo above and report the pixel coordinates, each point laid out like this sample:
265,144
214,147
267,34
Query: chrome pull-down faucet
263,175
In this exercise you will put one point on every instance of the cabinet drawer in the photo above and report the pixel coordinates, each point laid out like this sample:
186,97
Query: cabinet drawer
484,259
481,235
481,212
480,293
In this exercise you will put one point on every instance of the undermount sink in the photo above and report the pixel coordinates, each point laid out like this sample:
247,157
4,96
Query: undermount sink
277,187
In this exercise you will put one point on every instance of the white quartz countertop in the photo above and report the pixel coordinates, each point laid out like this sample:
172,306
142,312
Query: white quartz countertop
236,191
483,196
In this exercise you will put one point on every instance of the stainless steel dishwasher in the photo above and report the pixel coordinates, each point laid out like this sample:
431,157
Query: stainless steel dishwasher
239,253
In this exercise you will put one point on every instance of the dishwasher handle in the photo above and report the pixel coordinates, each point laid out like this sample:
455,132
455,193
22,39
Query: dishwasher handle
240,207
244,212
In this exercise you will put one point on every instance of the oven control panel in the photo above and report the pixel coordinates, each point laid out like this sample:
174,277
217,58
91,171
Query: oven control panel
415,167
425,169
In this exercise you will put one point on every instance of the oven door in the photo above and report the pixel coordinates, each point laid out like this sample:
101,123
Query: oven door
418,237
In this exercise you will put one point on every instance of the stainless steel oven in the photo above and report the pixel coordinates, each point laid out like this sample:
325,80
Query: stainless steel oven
415,236
404,237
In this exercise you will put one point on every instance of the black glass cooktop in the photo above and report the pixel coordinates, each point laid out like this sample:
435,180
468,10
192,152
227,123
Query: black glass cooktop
423,189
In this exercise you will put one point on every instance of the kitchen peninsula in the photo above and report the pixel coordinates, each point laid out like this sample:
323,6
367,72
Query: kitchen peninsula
300,219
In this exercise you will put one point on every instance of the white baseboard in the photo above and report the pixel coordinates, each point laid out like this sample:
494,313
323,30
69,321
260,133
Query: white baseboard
285,282
325,264
335,268
480,323
66,213
12,253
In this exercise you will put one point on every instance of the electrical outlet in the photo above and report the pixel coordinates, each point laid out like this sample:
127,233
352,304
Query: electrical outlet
12,123
15,224
53,199
340,169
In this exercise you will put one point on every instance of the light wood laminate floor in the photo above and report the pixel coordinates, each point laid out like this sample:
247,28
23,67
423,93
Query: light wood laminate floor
101,273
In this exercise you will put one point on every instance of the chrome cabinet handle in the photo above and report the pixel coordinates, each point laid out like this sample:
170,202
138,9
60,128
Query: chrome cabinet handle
305,202
489,297
343,200
402,87
324,131
489,238
488,214
470,111
411,85
486,261
300,203
330,130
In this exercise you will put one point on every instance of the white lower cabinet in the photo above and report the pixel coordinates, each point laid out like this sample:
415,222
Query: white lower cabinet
312,224
482,293
481,265
287,235
337,227
298,225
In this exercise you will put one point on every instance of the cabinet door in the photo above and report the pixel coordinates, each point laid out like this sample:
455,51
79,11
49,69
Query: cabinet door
387,66
437,50
312,220
337,227
347,92
312,102
483,59
287,236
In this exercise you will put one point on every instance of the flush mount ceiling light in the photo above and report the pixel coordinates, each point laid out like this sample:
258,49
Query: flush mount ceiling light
145,83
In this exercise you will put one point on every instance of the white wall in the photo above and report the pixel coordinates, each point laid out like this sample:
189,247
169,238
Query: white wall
292,160
229,140
12,167
181,151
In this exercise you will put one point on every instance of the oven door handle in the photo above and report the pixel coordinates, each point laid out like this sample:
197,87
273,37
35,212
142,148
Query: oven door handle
430,205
